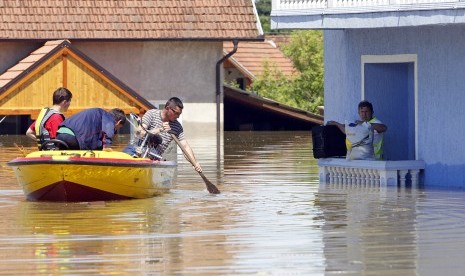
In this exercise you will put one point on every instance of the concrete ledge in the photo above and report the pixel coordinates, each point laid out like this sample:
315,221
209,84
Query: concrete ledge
383,173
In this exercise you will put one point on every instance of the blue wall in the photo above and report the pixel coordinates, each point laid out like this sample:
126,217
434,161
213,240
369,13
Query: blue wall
387,85
441,89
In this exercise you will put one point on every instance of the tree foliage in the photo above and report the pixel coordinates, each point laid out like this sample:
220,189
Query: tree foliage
264,12
263,7
305,90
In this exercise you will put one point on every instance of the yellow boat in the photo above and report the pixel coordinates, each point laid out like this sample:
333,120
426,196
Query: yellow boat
78,175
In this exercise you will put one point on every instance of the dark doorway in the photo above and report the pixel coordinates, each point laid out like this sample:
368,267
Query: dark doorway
390,87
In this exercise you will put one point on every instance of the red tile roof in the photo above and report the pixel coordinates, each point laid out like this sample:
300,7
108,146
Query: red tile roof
251,57
279,39
128,19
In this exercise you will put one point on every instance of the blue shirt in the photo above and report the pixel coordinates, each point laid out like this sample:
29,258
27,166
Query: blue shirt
92,127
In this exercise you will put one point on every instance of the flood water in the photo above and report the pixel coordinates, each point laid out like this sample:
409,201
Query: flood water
272,218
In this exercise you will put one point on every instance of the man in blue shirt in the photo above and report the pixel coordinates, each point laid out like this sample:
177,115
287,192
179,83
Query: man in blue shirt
91,129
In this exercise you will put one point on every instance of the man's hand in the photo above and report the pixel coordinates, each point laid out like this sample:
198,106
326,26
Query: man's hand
339,125
334,123
165,127
197,167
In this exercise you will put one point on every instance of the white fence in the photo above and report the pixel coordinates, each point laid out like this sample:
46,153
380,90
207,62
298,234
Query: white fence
322,4
368,173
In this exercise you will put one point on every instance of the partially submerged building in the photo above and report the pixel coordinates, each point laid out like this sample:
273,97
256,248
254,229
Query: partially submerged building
130,54
407,58
252,59
257,113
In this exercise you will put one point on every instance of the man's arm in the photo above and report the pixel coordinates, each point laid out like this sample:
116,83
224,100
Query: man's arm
106,143
155,131
380,128
342,127
189,151
31,133
108,131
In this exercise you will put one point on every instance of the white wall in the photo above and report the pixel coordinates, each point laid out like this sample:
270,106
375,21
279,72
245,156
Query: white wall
158,70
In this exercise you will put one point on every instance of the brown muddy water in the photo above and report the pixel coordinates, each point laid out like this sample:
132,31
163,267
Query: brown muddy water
272,218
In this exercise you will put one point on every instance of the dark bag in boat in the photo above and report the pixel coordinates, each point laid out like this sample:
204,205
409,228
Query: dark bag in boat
328,141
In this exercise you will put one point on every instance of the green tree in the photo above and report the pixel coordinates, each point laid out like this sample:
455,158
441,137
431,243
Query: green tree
304,91
264,12
263,7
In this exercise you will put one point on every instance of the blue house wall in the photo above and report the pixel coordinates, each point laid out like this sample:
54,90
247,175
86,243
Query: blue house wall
440,114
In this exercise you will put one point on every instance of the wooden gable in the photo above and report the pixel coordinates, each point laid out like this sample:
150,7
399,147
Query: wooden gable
28,86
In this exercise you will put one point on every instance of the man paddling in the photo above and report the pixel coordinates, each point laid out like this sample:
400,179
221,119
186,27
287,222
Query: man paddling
161,124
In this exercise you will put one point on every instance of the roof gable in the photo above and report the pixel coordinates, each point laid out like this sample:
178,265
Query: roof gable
129,19
28,86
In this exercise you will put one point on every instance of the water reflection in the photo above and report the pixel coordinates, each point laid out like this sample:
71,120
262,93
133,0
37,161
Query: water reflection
70,238
369,229
272,218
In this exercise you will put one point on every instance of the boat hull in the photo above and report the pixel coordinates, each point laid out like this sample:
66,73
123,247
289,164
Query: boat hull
91,176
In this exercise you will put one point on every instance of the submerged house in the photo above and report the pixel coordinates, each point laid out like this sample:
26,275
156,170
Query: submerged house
408,59
252,59
134,54
259,113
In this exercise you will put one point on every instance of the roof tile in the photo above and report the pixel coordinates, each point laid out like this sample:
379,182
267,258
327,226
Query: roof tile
85,19
252,55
